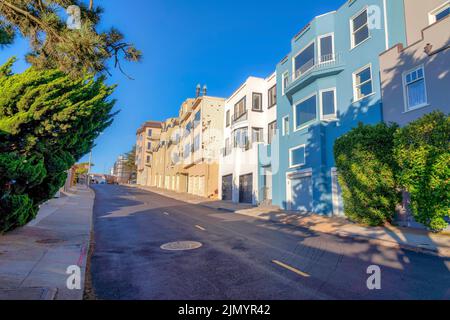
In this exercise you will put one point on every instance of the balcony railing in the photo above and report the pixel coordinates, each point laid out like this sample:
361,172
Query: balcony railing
325,62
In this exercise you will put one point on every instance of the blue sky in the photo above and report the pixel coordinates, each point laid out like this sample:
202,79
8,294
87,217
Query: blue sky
219,43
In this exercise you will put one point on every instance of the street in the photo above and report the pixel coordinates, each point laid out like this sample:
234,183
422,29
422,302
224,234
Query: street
240,257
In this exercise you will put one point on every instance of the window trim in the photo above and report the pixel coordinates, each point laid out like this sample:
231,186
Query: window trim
261,101
283,126
268,96
270,138
283,87
261,136
433,13
294,72
245,107
332,116
293,166
319,50
228,118
355,97
306,124
352,33
405,89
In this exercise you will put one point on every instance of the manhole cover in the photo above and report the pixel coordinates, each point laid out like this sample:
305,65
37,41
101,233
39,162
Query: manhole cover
49,241
181,246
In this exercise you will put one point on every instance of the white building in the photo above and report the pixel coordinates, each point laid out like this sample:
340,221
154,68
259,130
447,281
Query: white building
250,119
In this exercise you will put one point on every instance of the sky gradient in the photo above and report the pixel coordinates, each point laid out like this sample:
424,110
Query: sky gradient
219,43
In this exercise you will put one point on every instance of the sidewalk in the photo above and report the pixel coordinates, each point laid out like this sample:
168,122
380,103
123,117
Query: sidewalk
34,259
391,236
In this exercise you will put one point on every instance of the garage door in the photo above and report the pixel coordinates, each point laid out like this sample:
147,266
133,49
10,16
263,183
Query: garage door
191,185
201,186
301,194
246,188
227,188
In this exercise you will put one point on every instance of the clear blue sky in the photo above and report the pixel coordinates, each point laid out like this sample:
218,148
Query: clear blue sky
215,42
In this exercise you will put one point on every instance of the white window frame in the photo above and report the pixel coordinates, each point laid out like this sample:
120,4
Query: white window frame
328,117
309,123
352,33
432,14
283,87
319,48
283,126
405,89
294,72
355,92
293,166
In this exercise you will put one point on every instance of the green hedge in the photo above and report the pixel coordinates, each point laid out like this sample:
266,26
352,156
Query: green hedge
364,158
422,150
376,162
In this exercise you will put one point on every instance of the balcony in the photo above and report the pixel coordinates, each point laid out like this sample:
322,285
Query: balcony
330,65
237,118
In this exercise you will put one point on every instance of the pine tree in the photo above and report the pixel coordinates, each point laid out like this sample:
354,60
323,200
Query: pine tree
48,121
54,45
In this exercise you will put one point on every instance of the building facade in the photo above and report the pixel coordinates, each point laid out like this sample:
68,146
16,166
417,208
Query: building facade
121,170
201,120
249,120
147,138
326,85
415,77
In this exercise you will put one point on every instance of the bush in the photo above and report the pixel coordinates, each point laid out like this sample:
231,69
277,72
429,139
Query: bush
422,150
48,121
366,166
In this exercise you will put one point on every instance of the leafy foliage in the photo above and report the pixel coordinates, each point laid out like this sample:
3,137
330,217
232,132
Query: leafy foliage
364,158
48,121
54,45
422,150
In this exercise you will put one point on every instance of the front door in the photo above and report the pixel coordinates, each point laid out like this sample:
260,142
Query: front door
246,188
227,188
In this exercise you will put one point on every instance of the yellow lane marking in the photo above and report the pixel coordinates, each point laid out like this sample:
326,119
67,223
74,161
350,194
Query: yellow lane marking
283,265
166,213
201,228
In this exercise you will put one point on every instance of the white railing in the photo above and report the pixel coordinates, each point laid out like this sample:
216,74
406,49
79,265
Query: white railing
325,62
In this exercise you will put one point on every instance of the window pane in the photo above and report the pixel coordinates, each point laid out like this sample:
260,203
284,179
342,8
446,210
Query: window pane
441,15
298,156
360,20
305,60
361,35
365,90
326,49
416,93
286,128
257,103
363,76
306,111
328,105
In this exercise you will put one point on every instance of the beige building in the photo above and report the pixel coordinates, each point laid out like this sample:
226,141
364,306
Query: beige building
415,78
147,138
201,122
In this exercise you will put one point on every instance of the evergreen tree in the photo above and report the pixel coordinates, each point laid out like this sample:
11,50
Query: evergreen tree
48,121
55,44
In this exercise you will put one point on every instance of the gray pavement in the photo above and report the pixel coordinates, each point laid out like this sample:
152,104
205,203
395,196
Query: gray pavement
34,259
241,257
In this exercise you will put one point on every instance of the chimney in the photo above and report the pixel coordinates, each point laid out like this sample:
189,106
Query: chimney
205,90
197,91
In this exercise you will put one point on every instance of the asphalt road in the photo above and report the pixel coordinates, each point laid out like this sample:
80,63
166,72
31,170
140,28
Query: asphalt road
237,258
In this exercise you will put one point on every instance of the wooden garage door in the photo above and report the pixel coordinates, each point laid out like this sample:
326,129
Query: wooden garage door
227,187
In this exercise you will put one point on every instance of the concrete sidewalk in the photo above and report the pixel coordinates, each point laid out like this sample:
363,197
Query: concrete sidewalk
34,259
391,236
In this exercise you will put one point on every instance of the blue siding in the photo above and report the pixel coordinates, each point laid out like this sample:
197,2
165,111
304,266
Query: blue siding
319,137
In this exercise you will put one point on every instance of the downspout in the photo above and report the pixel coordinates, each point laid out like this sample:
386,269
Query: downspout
386,33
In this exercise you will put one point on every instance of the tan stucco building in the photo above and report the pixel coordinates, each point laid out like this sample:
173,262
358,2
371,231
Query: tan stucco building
147,138
182,154
415,77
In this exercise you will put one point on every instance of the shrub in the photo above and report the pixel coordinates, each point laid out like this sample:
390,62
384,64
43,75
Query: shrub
366,166
422,150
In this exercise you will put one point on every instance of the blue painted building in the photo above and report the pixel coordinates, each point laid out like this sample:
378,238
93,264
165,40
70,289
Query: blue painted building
326,85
